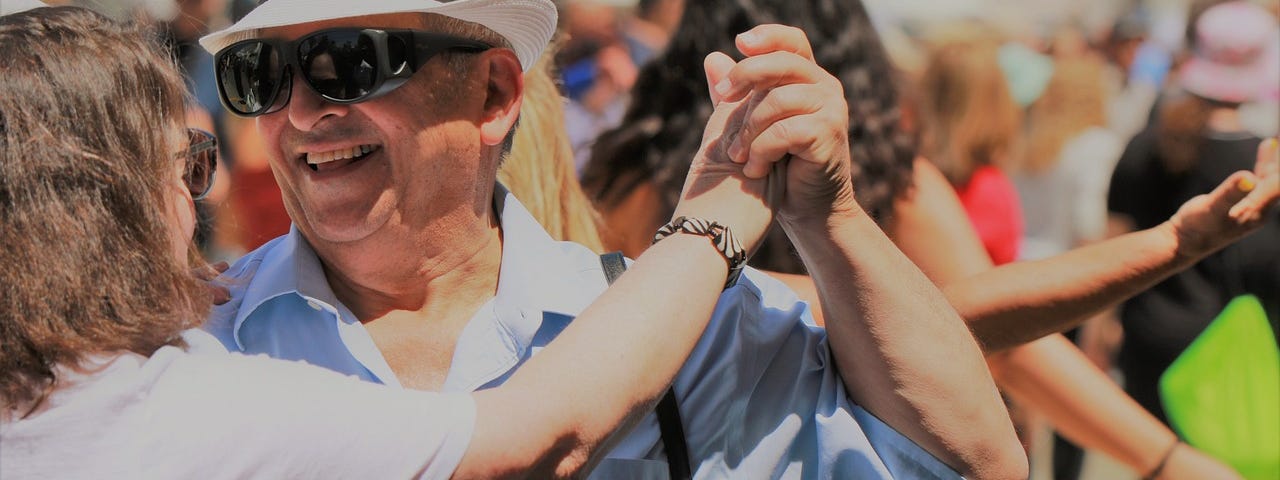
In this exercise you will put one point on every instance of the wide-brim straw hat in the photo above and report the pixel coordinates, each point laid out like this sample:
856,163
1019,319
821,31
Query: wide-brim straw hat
526,24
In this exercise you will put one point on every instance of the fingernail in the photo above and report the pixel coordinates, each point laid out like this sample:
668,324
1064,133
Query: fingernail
735,150
1245,185
724,87
1271,145
749,38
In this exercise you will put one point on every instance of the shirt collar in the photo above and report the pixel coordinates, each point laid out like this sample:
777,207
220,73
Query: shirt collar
290,267
537,275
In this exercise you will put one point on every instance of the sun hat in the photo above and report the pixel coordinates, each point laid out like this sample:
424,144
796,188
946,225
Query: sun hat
526,24
15,6
1237,57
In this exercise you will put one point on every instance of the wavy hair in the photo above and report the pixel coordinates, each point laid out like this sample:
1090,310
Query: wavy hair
89,115
971,119
669,107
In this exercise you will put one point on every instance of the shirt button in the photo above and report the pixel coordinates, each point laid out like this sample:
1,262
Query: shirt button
315,306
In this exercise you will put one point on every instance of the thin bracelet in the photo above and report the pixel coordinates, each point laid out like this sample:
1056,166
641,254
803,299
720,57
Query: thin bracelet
1164,460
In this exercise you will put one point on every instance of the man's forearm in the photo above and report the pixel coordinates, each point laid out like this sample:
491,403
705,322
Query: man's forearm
1020,302
903,352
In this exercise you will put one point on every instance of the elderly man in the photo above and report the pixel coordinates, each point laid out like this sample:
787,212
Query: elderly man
385,122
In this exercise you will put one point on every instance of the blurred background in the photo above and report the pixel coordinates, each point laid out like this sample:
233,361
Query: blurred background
1028,107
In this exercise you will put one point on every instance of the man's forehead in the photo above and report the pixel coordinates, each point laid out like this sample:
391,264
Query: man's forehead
390,20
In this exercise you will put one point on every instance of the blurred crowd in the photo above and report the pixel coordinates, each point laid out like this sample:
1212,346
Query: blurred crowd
1057,123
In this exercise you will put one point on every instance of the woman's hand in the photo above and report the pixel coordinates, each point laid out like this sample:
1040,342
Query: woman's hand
1236,208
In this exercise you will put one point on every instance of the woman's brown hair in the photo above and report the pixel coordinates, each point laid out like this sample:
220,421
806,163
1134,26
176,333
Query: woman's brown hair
971,120
90,112
1074,101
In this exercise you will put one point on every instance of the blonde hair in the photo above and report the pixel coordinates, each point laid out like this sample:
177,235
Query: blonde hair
971,120
1074,101
539,169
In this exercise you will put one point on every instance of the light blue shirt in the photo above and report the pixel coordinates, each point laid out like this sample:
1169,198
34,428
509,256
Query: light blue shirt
759,396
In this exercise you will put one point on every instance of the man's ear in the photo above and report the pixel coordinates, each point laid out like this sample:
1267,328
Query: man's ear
504,91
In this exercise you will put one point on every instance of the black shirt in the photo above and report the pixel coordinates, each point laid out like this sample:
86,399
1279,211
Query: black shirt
1161,322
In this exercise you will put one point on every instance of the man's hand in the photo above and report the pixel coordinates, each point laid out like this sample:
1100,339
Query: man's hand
1236,208
796,117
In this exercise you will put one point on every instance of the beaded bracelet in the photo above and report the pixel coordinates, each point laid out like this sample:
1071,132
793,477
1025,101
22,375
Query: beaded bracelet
721,237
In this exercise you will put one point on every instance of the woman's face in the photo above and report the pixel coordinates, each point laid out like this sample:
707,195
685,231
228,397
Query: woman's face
180,209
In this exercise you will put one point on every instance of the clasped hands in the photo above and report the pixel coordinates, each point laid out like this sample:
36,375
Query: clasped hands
777,141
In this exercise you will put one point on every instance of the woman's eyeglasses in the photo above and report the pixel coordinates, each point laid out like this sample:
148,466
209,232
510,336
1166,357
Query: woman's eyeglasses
342,65
201,157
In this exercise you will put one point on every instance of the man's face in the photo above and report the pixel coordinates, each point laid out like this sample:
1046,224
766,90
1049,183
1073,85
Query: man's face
398,162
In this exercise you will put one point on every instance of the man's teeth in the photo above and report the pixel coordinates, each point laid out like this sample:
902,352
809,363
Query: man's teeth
341,154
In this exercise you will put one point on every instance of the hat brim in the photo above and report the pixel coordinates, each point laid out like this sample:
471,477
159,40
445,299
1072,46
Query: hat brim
1233,83
526,24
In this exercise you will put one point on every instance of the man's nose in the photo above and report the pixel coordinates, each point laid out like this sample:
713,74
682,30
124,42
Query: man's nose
307,108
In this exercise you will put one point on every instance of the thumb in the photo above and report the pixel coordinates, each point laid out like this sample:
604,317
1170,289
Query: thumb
1230,191
717,66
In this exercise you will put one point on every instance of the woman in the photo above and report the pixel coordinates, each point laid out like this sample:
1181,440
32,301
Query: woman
1062,175
971,123
97,176
635,179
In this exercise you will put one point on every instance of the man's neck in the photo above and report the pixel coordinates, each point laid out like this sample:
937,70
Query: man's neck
415,294
430,270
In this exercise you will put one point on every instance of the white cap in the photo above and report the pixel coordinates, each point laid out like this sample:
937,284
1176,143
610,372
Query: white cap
526,24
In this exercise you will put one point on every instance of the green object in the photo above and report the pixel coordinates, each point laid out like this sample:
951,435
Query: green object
1223,393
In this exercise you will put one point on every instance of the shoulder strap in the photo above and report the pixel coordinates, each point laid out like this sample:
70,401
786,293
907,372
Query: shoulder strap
669,423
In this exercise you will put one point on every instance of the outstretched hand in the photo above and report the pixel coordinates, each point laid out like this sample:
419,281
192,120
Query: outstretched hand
1236,208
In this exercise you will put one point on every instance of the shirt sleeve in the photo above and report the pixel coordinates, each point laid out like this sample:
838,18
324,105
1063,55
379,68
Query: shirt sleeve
254,416
760,398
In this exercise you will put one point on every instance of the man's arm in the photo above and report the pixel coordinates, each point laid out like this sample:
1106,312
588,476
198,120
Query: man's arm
903,353
558,414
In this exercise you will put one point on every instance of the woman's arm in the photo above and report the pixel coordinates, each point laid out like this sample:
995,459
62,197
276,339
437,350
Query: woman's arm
1050,375
1016,303
557,414
1055,378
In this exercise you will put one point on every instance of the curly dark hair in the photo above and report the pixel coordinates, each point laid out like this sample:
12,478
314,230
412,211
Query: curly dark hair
89,112
669,108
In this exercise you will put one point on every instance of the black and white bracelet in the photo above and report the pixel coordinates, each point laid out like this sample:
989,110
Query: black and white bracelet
720,236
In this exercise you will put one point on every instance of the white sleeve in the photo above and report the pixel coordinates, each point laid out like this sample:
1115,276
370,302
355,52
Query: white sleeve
264,418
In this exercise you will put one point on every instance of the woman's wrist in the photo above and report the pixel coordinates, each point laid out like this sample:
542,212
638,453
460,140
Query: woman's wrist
1154,472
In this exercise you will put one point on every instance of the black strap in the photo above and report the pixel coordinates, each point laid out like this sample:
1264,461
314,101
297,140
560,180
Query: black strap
668,410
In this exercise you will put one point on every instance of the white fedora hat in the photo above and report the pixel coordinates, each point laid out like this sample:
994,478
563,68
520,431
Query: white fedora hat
527,24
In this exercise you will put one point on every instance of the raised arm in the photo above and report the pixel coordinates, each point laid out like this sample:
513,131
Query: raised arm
903,352
1020,302
1049,375
556,415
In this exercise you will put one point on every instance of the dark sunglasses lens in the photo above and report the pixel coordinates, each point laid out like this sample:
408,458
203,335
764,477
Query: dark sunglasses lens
340,65
249,75
202,161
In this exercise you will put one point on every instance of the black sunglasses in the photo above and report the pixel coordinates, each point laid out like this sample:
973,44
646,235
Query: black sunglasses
342,65
201,157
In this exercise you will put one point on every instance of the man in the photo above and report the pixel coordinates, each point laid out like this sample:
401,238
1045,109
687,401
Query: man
407,265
